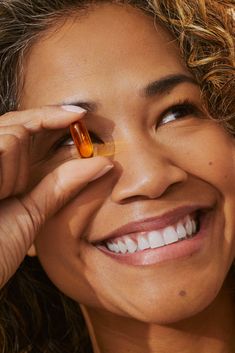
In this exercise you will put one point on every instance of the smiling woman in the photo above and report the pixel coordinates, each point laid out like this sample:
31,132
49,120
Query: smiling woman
130,250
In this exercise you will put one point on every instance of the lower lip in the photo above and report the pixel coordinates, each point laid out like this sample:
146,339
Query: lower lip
181,249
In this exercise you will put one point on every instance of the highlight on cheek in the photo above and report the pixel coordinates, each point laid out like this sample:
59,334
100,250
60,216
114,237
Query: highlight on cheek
82,139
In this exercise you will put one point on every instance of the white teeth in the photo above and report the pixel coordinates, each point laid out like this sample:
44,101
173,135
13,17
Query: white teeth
170,235
110,246
143,243
194,226
131,245
116,248
181,231
122,247
189,226
155,239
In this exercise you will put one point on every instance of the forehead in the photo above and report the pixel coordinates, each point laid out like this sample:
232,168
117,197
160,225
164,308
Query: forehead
104,44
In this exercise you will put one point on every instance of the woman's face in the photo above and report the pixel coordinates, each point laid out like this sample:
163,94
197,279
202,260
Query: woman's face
171,163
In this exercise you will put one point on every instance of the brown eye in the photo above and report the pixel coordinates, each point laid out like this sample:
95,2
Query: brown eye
179,111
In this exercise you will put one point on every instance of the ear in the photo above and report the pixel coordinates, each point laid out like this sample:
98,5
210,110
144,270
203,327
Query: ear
32,251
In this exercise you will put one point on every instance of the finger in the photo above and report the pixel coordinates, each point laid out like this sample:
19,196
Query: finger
60,186
31,211
50,117
9,166
14,160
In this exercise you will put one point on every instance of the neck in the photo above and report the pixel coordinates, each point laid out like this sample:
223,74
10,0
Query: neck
210,331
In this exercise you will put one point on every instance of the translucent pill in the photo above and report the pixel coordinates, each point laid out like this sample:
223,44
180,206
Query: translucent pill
82,139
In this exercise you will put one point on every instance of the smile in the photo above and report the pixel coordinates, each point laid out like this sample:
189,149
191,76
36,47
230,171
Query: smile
176,234
131,243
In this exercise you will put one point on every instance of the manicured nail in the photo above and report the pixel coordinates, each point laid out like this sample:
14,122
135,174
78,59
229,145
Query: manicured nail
102,172
73,109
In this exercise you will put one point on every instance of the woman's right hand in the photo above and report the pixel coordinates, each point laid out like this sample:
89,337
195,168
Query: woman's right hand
22,213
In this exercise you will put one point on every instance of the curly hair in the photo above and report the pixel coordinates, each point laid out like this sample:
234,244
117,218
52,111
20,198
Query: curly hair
205,31
34,316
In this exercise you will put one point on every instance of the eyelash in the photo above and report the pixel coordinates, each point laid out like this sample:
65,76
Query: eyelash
185,108
61,142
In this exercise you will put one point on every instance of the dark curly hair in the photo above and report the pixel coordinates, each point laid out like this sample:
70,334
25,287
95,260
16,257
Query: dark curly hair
34,315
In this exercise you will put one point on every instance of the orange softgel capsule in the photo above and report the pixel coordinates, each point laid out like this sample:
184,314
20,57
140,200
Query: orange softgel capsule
82,139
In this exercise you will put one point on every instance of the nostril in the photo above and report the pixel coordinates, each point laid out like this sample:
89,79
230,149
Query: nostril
135,198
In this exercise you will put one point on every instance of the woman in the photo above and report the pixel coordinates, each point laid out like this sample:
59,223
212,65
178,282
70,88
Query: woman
144,238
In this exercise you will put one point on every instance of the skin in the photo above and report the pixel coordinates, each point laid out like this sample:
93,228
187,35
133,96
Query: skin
170,306
22,214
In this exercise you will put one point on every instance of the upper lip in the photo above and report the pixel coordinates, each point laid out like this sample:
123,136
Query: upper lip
153,223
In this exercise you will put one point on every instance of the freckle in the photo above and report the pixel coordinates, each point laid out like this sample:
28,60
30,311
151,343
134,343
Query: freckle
210,163
182,293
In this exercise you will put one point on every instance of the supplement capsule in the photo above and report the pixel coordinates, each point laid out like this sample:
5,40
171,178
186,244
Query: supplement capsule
82,139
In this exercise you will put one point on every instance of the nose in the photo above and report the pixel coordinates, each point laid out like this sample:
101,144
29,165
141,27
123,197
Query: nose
145,171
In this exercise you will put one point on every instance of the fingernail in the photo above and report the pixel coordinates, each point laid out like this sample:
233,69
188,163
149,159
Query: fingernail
73,109
102,172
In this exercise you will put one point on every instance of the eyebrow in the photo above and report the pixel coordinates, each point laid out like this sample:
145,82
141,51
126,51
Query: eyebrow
158,87
166,84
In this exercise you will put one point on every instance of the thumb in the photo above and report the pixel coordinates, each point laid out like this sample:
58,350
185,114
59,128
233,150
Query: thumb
60,186
21,218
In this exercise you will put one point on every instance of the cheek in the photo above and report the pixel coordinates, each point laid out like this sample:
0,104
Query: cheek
61,247
209,154
214,162
61,252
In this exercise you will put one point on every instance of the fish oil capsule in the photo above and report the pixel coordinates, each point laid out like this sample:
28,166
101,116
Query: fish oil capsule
82,139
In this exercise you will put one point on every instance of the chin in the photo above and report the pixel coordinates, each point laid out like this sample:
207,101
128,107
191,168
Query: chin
172,306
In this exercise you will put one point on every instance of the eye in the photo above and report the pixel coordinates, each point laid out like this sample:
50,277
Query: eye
67,141
179,111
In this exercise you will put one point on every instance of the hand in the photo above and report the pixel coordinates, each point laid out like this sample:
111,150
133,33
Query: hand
22,213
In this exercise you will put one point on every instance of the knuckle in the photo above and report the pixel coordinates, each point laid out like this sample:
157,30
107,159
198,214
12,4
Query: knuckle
14,137
10,141
21,132
34,218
